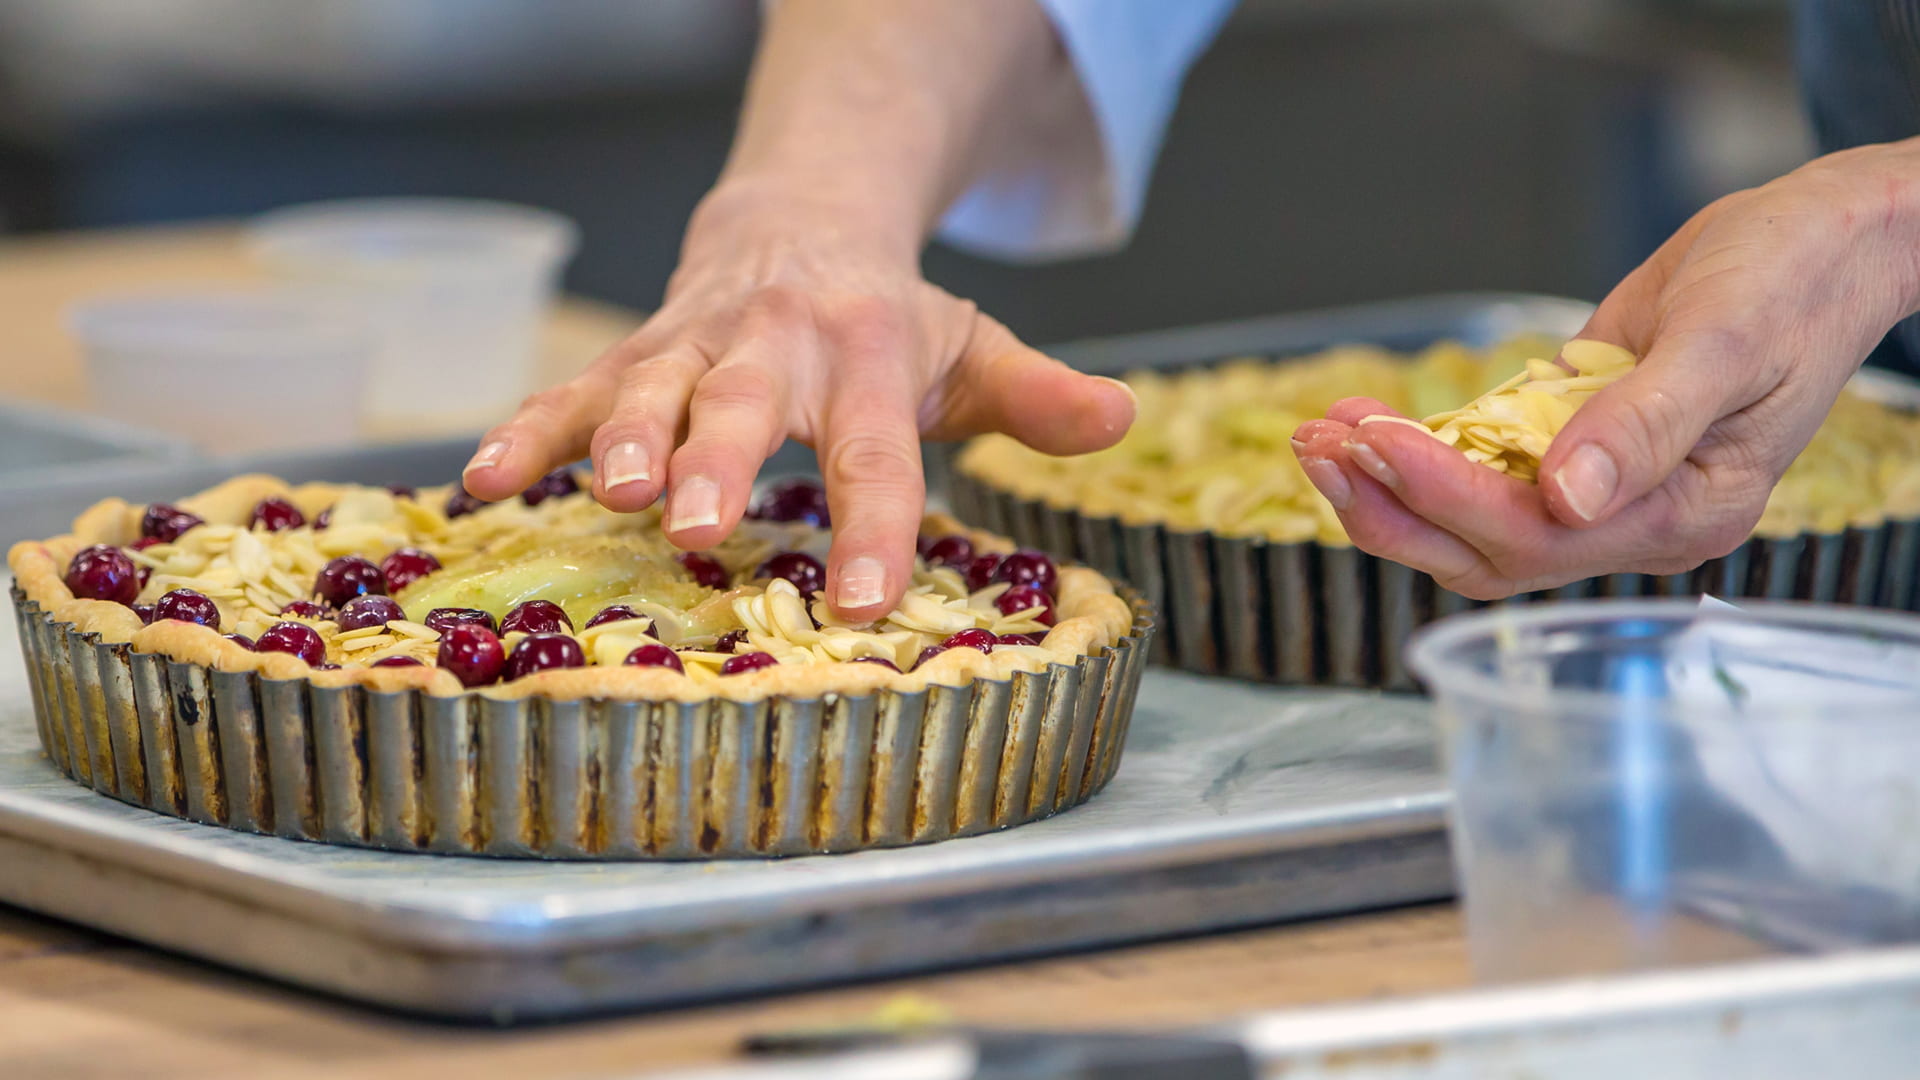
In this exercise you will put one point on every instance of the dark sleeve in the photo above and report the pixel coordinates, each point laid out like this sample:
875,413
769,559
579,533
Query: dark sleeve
1859,66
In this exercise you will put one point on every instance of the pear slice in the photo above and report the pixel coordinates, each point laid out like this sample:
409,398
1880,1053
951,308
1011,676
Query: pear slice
581,575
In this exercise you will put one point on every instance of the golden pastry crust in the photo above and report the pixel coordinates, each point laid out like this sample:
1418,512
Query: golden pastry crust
1090,616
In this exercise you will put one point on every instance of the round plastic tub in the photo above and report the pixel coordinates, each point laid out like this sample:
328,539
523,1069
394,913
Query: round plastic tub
1655,783
231,370
456,289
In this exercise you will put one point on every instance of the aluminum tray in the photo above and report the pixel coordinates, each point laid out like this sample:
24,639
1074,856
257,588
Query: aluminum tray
1237,805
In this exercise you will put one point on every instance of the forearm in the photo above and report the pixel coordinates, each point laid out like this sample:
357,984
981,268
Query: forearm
884,106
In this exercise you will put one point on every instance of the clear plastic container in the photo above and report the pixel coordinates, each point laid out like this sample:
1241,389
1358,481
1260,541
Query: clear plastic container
457,290
1650,784
230,370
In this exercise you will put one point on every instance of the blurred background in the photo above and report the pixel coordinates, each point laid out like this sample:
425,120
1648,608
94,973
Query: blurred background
1325,151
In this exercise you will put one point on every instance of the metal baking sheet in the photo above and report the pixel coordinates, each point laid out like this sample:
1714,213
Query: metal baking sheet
1236,805
45,449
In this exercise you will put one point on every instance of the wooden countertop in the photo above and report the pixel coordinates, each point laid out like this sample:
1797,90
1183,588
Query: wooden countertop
74,1003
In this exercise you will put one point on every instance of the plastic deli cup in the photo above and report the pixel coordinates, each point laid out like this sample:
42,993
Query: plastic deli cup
232,370
1646,784
457,291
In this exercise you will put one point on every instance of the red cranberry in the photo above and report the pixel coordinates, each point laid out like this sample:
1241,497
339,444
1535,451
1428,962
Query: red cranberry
144,543
927,654
706,570
165,522
103,572
536,617
145,611
187,605
979,571
971,639
295,639
364,611
544,652
798,499
444,619
1021,598
145,572
473,654
396,661
730,641
881,660
305,609
956,551
556,483
324,521
620,613
1028,567
802,569
401,491
752,661
460,504
654,656
274,515
241,640
1016,639
406,566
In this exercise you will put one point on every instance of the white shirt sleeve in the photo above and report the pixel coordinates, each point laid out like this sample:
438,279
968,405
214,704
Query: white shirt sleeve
1074,184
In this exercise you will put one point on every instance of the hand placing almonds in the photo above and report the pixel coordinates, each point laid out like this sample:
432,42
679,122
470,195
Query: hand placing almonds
1748,323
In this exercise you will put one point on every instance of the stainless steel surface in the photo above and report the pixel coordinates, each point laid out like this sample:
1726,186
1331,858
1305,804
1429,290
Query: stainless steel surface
1310,613
578,779
1237,805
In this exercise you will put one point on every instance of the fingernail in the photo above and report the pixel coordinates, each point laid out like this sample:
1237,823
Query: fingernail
1298,446
487,457
1376,466
626,463
1331,482
1588,480
696,503
1122,385
863,583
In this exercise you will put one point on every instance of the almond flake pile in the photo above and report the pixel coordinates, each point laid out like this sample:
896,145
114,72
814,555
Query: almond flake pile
1509,428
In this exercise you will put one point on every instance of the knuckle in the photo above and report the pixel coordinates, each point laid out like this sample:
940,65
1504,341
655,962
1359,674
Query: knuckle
779,304
553,402
865,325
872,460
741,387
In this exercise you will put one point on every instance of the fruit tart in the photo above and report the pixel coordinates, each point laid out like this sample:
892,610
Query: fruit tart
371,595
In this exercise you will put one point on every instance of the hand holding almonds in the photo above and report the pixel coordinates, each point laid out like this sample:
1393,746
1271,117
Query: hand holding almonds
1509,428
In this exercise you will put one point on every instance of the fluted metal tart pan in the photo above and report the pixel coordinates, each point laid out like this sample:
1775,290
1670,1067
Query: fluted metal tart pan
579,779
1308,613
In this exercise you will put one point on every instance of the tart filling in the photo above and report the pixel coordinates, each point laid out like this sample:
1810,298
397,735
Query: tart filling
548,594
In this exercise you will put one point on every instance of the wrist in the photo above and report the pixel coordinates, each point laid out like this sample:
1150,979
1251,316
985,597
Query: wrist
747,206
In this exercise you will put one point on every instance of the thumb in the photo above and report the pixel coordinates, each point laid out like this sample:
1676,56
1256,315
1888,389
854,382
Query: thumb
1002,384
1628,438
